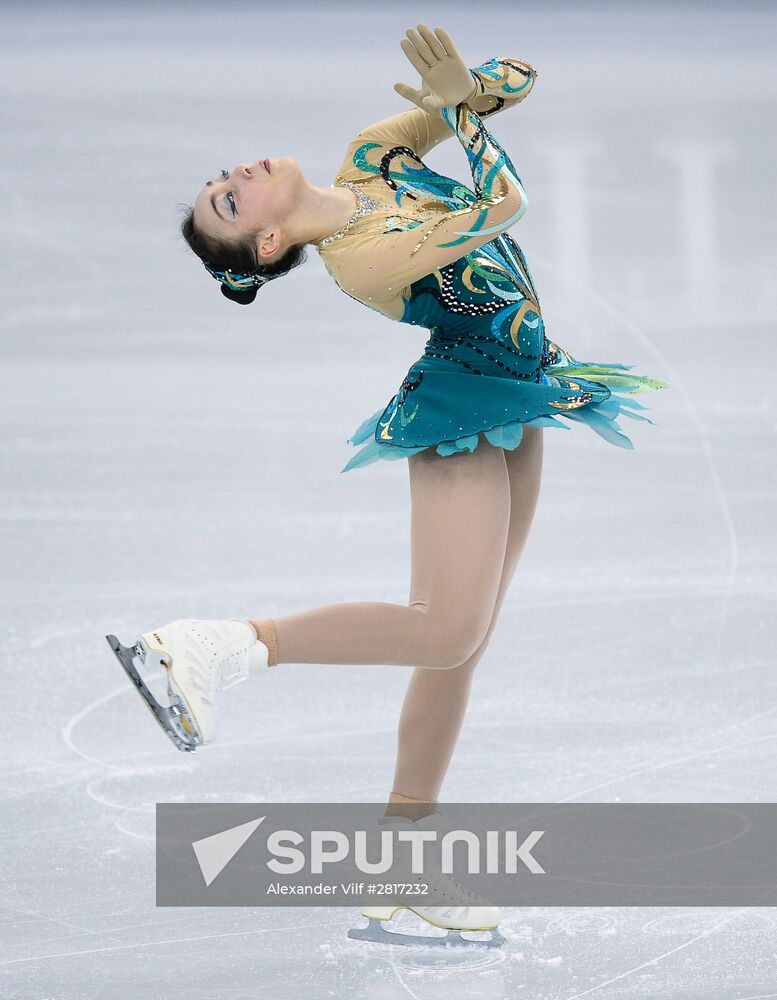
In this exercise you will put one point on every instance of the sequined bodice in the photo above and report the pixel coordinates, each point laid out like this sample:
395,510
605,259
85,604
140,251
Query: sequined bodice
470,291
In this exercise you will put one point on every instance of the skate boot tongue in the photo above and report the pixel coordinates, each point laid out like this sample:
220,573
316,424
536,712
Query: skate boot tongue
430,822
398,822
257,657
258,653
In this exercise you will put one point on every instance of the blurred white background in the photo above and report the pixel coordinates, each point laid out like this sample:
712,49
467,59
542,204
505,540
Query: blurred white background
166,454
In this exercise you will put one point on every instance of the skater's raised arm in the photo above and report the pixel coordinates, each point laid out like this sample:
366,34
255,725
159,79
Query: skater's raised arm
498,83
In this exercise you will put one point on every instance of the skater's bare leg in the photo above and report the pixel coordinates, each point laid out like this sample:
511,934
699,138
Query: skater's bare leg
435,702
460,513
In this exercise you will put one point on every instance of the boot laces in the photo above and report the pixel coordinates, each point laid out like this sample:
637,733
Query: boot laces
450,883
220,671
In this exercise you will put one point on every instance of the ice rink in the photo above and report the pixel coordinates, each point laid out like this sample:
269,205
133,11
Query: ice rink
168,455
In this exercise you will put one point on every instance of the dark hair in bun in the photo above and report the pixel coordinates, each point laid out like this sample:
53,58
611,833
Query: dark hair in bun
239,257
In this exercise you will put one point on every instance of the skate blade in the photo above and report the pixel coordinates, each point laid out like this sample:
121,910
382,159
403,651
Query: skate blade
175,719
377,933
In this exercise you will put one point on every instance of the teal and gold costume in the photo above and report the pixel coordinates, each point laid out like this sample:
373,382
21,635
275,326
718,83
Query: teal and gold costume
427,250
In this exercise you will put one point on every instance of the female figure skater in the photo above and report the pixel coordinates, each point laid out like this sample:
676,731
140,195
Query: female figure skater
469,415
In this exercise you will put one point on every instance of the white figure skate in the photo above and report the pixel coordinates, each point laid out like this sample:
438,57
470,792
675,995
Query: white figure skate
199,657
478,914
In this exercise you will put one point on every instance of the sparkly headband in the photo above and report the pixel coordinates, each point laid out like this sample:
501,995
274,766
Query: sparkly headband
239,282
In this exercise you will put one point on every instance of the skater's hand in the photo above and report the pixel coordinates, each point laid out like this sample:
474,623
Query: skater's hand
445,77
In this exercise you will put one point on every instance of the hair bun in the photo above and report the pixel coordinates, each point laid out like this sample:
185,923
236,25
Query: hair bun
245,298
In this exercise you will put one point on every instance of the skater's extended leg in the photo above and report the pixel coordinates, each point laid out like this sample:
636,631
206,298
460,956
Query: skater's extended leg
435,702
460,512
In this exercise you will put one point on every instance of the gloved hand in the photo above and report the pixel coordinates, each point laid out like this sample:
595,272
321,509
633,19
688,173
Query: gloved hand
445,77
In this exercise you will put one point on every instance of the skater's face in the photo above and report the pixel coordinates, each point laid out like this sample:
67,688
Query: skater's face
247,199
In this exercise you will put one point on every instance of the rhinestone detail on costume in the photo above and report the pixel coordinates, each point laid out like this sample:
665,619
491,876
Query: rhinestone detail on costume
366,205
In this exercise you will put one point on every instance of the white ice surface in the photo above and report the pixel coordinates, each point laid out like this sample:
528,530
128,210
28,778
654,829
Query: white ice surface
166,454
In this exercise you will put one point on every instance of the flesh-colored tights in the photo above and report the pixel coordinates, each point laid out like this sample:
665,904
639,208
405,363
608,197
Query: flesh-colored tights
470,517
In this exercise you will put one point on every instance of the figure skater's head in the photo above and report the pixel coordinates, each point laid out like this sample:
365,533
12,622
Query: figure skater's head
242,225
